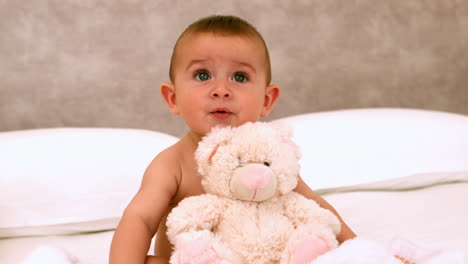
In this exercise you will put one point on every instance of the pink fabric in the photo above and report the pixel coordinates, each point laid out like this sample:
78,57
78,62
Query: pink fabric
256,177
200,252
309,249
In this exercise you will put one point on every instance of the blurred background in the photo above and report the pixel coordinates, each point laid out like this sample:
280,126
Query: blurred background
99,63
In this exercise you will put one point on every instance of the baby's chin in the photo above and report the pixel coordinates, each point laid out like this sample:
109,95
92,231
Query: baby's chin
221,126
232,122
214,126
227,124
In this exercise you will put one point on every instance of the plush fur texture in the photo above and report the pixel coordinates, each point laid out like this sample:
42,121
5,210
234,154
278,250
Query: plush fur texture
250,213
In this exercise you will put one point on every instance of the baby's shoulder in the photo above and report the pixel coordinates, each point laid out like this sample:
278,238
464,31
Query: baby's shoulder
177,164
167,160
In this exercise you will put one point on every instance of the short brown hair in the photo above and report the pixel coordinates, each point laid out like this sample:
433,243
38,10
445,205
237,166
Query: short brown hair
223,25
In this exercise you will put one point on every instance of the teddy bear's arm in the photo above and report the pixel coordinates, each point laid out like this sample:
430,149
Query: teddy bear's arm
301,210
195,213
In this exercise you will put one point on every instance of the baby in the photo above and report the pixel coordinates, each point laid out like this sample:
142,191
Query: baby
220,76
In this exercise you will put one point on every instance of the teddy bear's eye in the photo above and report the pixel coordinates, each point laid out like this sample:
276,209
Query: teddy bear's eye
266,163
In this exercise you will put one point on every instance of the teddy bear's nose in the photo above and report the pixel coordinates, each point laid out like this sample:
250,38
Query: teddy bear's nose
256,177
253,182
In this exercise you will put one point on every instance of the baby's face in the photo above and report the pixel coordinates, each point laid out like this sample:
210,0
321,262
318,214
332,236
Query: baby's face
219,80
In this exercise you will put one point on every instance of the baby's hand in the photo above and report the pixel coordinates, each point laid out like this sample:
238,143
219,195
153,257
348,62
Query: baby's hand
200,247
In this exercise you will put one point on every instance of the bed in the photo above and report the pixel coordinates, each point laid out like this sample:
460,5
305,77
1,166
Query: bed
375,91
389,172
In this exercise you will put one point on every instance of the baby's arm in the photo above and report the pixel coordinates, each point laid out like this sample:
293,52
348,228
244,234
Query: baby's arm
141,218
346,232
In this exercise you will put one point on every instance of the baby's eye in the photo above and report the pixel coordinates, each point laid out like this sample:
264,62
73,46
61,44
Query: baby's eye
267,163
202,76
240,77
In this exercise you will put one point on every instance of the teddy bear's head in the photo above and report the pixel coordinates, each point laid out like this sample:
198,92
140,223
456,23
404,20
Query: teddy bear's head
251,162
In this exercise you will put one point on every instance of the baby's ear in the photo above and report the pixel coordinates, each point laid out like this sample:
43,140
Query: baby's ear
168,94
209,145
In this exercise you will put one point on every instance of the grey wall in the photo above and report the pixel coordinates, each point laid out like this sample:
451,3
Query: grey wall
100,62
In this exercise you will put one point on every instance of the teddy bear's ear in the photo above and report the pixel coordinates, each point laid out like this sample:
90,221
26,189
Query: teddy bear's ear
284,130
209,144
213,152
286,134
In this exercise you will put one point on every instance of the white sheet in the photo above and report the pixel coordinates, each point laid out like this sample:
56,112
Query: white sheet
435,215
87,247
428,209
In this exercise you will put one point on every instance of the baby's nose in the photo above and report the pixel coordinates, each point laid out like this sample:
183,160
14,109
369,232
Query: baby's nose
221,90
222,95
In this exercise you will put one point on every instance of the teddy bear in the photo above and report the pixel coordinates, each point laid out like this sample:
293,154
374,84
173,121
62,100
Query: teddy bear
250,213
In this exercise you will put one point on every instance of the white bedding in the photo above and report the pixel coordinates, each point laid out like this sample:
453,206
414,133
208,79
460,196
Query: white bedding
88,248
428,209
364,162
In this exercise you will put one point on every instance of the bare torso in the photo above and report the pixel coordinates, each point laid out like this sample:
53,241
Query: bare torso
189,184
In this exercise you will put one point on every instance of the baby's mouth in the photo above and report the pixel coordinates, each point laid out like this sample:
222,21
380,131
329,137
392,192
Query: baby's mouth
221,114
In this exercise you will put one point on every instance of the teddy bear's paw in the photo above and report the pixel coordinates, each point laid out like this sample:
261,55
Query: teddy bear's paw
308,249
200,247
195,247
202,253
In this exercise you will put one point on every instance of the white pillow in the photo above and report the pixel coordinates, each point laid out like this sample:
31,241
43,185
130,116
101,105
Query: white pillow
358,146
56,181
